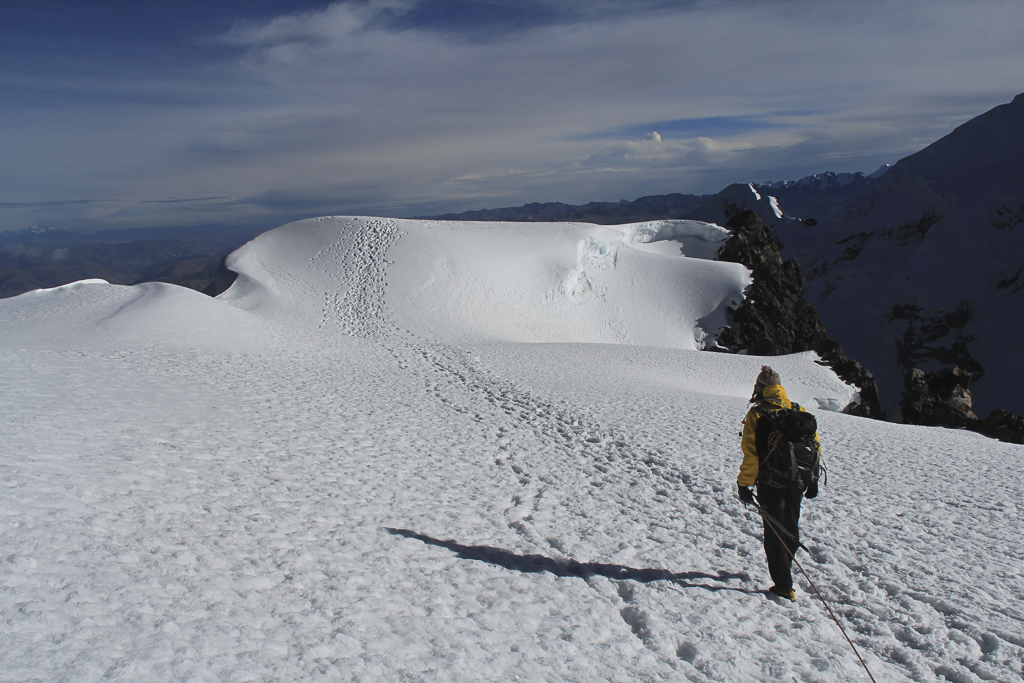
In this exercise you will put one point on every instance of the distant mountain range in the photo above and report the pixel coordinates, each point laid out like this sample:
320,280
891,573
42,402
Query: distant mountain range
918,265
38,239
813,197
189,265
820,195
666,206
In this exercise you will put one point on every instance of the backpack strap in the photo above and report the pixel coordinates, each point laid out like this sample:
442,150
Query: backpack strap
773,438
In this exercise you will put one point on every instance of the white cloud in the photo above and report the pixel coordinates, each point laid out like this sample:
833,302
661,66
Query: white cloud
335,22
333,104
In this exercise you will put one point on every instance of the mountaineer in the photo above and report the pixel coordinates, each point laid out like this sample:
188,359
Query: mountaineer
782,457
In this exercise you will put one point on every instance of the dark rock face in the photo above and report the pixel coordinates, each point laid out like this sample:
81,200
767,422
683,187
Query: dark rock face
938,398
936,339
942,399
775,319
1002,425
852,372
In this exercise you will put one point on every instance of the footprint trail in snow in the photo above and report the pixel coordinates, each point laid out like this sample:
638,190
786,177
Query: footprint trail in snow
403,450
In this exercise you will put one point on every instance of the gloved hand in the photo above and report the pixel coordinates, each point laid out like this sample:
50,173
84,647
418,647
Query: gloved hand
812,491
746,494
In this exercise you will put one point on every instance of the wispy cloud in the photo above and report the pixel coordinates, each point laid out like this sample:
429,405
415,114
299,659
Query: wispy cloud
180,201
59,202
396,105
717,126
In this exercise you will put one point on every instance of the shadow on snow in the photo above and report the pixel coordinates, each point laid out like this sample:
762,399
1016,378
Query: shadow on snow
535,564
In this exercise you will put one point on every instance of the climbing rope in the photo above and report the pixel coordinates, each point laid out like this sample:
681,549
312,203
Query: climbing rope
792,555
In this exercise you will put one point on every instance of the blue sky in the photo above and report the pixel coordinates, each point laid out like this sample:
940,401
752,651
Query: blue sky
128,114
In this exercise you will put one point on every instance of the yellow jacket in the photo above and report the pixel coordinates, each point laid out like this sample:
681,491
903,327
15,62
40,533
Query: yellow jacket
774,398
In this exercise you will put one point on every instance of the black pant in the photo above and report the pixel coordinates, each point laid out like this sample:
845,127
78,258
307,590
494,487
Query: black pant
784,506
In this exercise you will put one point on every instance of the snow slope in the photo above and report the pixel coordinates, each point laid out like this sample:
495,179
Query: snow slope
416,451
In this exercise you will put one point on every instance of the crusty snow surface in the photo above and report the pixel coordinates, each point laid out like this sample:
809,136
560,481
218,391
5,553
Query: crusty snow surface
418,451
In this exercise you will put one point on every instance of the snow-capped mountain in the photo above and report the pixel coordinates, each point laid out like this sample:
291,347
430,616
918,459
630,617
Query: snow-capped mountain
826,180
425,451
784,204
818,181
37,237
925,267
815,197
738,196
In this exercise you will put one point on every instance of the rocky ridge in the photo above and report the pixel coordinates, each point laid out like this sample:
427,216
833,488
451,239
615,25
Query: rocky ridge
774,319
923,269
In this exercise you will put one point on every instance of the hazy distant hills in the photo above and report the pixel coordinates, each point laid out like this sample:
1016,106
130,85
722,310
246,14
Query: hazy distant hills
36,239
603,213
38,258
779,204
182,263
813,197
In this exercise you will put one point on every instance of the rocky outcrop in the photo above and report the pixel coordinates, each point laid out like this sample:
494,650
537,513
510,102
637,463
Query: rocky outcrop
774,319
852,372
1001,424
942,399
938,399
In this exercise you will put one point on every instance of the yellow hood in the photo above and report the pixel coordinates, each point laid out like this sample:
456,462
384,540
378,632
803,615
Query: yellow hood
776,394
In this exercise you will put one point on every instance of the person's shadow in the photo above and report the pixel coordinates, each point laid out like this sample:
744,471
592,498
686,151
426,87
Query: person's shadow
533,564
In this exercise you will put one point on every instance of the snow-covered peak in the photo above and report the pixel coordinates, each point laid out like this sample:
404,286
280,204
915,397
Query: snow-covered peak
650,283
820,180
37,230
32,230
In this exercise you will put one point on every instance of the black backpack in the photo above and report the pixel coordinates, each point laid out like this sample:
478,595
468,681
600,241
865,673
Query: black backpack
793,459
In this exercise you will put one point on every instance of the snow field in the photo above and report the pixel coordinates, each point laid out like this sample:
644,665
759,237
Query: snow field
302,481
